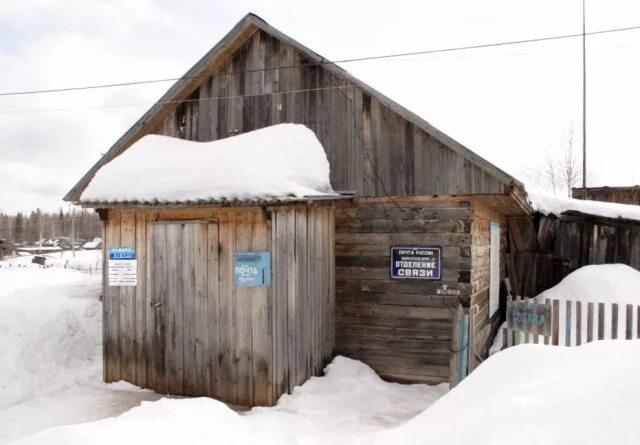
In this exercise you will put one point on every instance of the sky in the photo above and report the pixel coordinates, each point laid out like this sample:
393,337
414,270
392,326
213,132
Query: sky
511,104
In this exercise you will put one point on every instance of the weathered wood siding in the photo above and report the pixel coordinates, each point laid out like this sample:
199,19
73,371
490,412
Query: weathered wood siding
621,195
244,345
401,328
367,144
482,328
545,249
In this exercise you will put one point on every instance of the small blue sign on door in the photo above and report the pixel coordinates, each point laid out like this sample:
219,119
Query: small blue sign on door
122,253
418,263
252,268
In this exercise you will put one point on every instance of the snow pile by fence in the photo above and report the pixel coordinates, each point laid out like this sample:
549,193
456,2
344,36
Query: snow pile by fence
548,204
602,283
534,394
277,161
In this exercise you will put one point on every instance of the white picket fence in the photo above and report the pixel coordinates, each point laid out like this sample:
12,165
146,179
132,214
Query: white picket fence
572,322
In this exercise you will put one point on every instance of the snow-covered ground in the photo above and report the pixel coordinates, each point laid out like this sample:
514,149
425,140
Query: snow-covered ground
51,375
83,260
50,349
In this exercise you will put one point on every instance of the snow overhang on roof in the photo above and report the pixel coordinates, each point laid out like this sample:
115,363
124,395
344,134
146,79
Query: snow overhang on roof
556,205
277,164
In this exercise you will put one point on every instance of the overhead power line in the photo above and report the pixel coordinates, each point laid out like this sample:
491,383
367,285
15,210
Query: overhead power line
323,62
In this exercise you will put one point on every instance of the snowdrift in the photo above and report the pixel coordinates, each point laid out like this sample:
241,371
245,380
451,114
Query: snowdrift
346,405
285,160
602,283
534,394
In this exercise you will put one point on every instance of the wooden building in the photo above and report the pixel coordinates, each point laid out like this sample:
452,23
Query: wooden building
621,195
546,247
412,186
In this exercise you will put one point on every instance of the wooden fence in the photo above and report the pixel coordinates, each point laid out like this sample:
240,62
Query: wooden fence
571,323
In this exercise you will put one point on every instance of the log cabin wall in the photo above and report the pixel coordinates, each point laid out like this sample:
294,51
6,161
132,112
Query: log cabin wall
401,328
243,345
371,149
482,328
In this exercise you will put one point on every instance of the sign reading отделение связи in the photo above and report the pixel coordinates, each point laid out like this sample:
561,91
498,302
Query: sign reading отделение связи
421,263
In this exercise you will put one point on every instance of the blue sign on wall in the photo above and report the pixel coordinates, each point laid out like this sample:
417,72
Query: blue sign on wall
122,253
252,268
418,263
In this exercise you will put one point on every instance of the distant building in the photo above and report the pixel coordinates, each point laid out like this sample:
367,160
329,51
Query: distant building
621,195
6,248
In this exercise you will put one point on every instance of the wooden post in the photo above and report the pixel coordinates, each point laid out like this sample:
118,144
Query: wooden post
638,322
629,326
589,322
578,323
546,338
567,326
614,321
555,327
600,321
454,370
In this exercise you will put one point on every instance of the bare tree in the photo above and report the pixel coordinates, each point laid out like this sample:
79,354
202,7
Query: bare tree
563,172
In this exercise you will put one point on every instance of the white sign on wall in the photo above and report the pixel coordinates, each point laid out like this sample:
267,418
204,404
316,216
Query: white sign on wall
123,267
494,269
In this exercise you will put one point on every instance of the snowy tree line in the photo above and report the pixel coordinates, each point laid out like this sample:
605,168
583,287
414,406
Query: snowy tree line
29,228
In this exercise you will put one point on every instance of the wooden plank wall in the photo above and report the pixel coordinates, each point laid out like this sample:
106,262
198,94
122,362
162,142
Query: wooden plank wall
303,293
365,141
481,327
249,344
401,328
621,195
543,250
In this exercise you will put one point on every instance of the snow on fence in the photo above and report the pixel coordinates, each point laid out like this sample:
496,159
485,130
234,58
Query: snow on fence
567,322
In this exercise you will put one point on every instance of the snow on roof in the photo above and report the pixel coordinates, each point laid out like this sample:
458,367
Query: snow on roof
556,205
285,160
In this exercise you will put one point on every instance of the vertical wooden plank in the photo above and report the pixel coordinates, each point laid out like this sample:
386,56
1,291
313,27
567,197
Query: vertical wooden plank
311,290
262,329
213,307
600,321
301,293
331,243
127,307
188,302
638,322
141,303
614,321
504,338
201,320
292,306
578,323
629,322
159,304
228,359
547,301
111,301
281,274
320,293
567,325
105,262
555,328
589,322
243,317
174,347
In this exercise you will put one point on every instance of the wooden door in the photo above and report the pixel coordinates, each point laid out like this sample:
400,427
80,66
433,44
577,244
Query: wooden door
184,291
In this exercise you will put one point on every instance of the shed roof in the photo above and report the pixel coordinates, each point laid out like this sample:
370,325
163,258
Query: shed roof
232,41
274,164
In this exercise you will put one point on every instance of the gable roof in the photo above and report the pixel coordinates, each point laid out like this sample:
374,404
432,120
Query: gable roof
238,35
